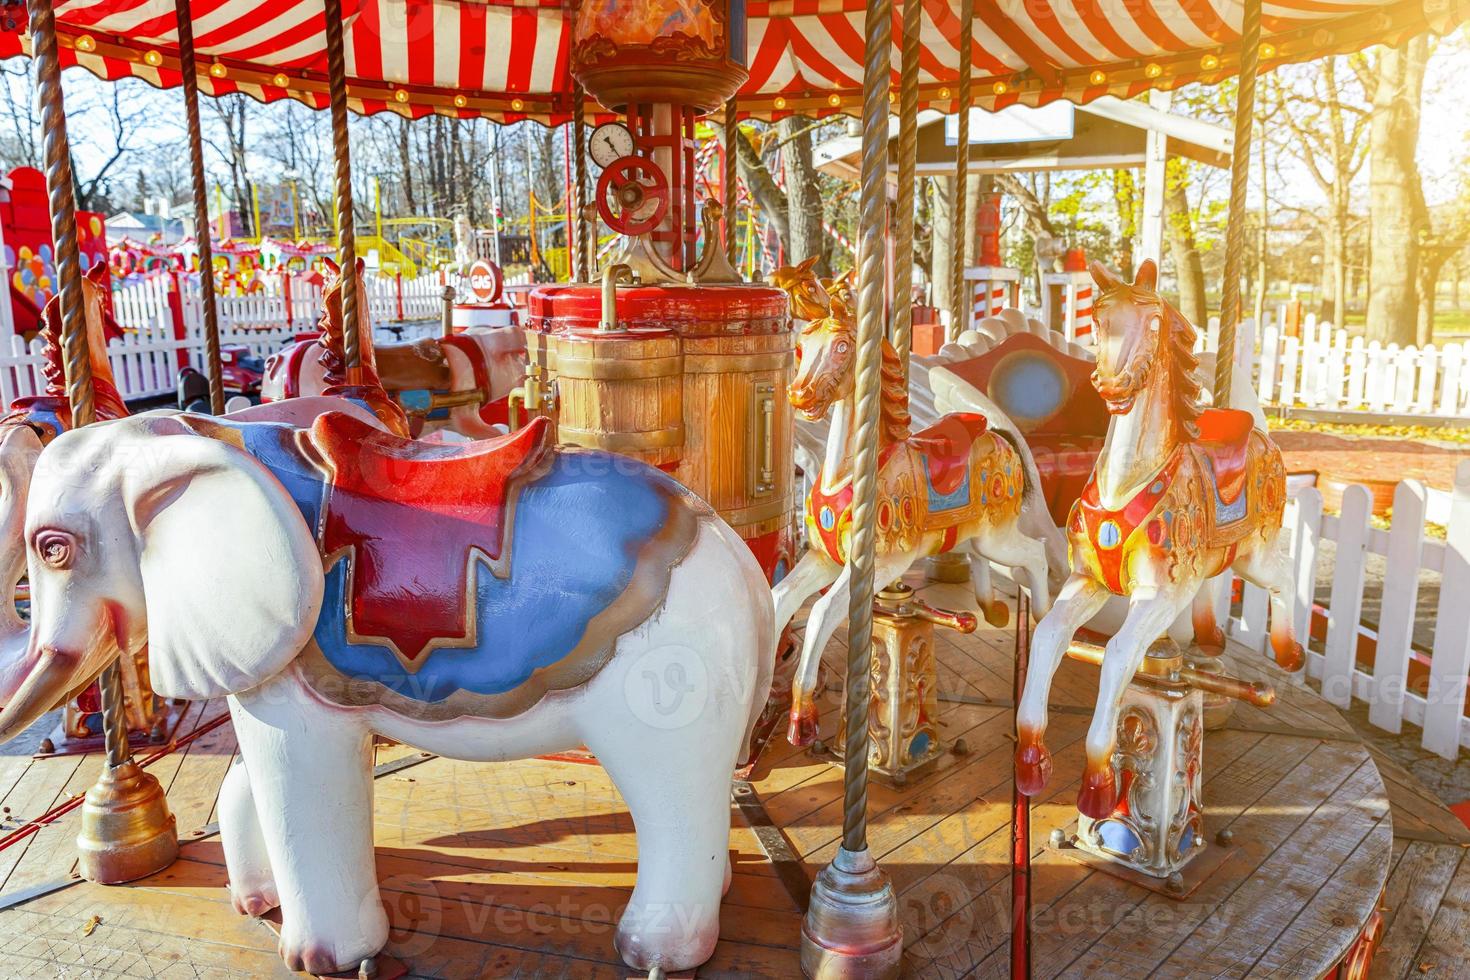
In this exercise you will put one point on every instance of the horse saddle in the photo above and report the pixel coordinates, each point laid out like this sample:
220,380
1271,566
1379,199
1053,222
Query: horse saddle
417,365
1224,439
945,447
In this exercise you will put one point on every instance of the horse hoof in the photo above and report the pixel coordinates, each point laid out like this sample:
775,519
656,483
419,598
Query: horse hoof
803,727
1033,768
1099,794
997,614
1292,658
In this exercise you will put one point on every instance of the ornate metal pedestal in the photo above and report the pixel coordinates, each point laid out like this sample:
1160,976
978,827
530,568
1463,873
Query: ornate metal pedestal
903,736
1157,828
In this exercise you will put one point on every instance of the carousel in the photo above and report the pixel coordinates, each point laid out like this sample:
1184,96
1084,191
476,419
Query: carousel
547,649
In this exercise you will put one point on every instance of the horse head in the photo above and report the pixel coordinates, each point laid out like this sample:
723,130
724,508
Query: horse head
809,301
1138,336
825,359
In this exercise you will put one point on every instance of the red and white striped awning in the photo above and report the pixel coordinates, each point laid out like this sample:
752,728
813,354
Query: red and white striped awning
508,59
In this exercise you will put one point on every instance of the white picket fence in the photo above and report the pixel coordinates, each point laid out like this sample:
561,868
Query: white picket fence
1325,368
1408,558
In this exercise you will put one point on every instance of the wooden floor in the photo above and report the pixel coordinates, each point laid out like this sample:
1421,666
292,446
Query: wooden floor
521,869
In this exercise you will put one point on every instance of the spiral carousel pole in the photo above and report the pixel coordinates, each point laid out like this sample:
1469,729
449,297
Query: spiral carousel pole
1245,110
346,235
908,146
581,262
960,303
727,181
851,926
127,830
202,234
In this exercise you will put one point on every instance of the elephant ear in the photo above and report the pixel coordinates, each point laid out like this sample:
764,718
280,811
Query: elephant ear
232,579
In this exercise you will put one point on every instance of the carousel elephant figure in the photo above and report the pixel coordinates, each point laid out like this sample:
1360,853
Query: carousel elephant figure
486,601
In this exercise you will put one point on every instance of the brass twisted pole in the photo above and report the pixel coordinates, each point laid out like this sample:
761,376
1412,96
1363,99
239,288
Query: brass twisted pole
346,235
960,304
872,205
908,145
727,183
579,243
1245,110
76,352
189,71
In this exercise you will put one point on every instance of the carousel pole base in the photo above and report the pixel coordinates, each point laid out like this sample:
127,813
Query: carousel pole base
127,829
851,929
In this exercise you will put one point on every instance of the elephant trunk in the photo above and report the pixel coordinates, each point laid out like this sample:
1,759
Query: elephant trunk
50,677
51,667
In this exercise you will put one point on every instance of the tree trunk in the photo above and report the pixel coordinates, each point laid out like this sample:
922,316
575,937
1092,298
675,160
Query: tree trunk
762,186
1188,269
803,194
1396,199
942,249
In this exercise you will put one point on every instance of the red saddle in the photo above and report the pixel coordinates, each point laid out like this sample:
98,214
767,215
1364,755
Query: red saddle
412,512
1224,436
946,445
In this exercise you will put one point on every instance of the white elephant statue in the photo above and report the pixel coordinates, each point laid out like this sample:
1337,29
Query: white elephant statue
487,601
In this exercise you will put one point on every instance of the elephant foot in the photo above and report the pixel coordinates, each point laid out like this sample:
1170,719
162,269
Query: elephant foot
804,720
667,935
1099,794
312,951
996,612
254,899
1033,764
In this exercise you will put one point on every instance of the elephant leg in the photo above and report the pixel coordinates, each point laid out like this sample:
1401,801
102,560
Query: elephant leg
310,773
992,606
1270,567
252,885
1080,598
1149,615
814,572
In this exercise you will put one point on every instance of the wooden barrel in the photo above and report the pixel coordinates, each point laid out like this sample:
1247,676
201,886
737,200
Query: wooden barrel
621,391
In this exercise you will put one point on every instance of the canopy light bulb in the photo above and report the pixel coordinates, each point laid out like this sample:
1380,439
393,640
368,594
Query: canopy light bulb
85,43
279,80
1097,77
400,95
1210,62
152,58
1268,50
944,93
517,104
218,70
1153,70
780,102
460,101
892,96
836,100
1000,88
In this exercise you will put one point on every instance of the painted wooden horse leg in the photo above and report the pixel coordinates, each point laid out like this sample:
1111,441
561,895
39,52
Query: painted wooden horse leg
829,612
252,883
1149,614
992,606
815,571
1207,633
1009,546
312,786
1080,598
1269,566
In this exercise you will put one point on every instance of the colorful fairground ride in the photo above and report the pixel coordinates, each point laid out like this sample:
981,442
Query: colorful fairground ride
346,608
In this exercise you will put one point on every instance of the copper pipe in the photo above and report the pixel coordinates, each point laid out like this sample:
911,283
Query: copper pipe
862,555
346,235
1240,156
960,304
1260,694
189,70
903,209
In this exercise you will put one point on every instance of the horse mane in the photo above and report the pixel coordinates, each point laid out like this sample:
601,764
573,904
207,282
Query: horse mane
895,422
1183,363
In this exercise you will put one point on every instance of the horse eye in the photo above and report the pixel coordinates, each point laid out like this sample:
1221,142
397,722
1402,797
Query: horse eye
1153,325
841,347
56,548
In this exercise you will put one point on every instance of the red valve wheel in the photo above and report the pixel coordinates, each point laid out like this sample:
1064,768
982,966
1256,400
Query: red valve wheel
641,194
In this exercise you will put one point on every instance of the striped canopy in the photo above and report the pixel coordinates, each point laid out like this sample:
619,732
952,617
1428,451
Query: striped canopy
508,59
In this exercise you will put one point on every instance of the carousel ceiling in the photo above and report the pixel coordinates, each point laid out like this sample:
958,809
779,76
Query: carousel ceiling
508,59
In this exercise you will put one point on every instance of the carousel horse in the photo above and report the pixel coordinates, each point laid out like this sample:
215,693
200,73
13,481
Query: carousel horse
954,485
491,600
459,382
1179,494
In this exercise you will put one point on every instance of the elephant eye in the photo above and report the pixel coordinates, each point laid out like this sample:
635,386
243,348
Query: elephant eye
56,548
